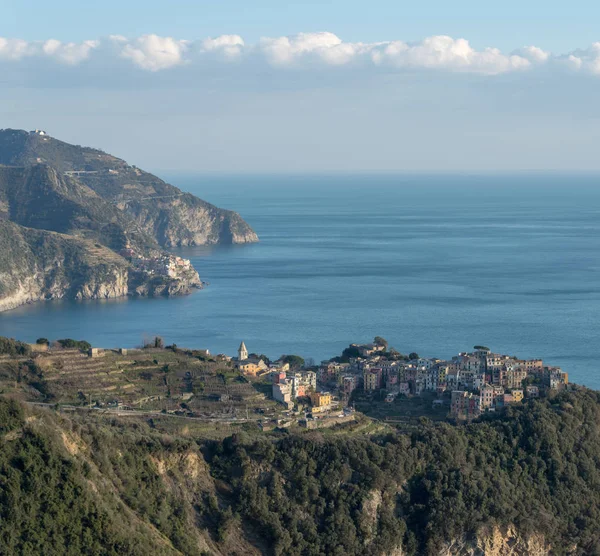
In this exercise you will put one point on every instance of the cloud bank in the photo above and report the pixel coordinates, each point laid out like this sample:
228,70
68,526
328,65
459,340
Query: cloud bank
152,53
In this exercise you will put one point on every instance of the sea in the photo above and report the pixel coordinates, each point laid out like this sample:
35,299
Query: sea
433,263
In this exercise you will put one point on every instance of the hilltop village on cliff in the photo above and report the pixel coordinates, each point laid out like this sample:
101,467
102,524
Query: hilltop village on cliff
472,383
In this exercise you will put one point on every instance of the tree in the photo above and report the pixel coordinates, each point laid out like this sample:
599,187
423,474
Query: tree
350,353
159,342
412,356
379,341
42,342
69,343
260,356
294,361
9,346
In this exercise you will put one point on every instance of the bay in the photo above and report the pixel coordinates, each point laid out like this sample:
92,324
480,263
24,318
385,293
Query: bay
434,263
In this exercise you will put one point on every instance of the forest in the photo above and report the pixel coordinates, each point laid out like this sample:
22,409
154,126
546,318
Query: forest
79,484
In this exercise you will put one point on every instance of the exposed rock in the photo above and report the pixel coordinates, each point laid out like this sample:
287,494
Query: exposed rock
38,265
185,220
499,542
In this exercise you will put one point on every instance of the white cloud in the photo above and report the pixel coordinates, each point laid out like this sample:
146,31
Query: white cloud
301,52
153,53
443,52
285,50
230,45
14,49
587,60
533,54
69,53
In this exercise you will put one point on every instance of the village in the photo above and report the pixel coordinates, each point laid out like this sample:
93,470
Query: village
367,381
167,265
469,384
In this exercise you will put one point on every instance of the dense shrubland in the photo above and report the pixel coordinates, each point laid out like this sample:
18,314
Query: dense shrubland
83,485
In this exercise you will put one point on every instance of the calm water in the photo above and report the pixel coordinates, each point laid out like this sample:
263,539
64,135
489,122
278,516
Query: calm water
435,264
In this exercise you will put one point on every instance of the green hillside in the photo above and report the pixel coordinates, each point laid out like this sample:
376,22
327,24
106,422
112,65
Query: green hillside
522,483
161,210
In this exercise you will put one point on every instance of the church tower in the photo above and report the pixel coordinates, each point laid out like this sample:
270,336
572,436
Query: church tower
242,352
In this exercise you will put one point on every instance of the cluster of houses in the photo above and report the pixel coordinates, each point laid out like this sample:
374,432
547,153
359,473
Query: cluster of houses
473,382
478,381
170,266
288,385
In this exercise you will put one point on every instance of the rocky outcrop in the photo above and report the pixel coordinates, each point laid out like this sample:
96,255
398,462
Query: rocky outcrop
29,289
185,220
144,286
38,265
497,541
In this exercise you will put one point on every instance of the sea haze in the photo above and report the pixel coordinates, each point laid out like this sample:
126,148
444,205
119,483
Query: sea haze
435,264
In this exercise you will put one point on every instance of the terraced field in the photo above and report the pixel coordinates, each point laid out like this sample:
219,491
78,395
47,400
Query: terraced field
148,379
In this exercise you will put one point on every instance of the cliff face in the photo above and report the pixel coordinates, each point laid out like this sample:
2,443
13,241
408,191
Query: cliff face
38,265
185,220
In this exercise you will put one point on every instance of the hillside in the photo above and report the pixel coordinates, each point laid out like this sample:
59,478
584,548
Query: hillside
38,265
39,196
172,217
114,221
524,482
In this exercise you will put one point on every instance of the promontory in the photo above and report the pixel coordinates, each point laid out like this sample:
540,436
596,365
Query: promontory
76,222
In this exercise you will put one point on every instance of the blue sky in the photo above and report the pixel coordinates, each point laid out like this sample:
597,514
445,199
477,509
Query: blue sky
551,24
267,86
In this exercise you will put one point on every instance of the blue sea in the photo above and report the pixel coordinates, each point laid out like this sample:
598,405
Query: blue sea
434,263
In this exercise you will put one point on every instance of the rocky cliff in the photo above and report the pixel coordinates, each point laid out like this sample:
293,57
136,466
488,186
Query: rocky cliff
38,265
498,541
171,216
185,220
103,208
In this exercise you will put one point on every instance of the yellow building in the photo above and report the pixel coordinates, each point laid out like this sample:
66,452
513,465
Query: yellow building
249,367
517,395
320,400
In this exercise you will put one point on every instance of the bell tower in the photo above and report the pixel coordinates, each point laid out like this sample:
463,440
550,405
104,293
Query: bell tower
242,352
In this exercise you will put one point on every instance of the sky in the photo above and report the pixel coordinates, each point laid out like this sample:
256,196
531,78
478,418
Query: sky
274,86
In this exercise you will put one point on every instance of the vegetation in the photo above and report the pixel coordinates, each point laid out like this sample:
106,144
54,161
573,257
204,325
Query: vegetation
259,356
350,352
8,346
294,361
157,342
88,485
441,484
379,341
69,343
